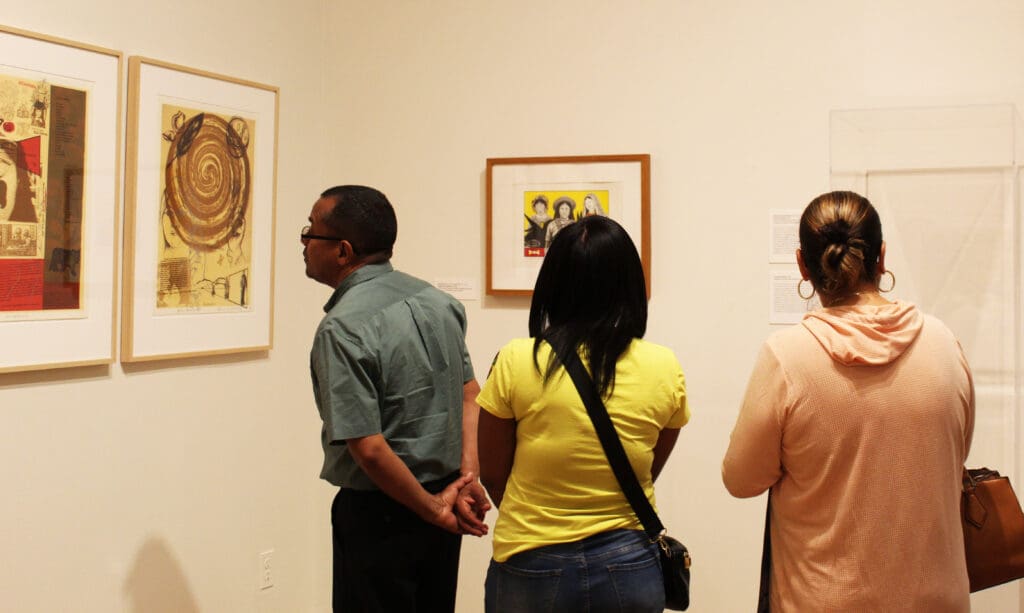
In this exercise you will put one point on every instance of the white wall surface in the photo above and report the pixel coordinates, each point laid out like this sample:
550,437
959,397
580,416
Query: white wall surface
732,101
154,487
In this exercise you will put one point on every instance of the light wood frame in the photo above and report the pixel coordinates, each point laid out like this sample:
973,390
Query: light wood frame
623,179
149,333
38,339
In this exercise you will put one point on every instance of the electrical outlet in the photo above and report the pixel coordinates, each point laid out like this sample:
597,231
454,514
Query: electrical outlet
266,568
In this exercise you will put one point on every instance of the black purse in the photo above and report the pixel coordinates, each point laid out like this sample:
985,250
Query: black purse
675,558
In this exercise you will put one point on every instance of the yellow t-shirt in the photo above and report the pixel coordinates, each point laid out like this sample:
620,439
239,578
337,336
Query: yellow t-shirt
561,488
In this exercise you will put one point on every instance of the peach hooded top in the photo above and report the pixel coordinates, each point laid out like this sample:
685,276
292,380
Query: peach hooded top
859,420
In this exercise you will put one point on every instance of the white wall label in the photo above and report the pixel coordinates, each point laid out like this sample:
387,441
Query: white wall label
462,289
786,306
783,235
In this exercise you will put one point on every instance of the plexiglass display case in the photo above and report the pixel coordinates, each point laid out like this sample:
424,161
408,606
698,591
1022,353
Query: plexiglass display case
947,185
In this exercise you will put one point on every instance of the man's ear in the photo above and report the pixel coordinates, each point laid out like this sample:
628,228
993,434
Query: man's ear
345,251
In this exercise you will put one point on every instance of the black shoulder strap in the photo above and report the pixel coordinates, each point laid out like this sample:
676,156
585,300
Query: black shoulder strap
613,446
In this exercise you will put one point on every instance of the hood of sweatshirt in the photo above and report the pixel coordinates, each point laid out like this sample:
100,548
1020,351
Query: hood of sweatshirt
869,335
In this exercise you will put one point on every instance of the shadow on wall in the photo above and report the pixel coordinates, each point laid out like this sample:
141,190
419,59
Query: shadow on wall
157,583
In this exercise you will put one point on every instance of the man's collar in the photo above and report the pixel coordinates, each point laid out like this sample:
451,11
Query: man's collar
359,275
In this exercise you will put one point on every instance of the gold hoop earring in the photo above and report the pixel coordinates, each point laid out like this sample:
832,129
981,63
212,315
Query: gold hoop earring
799,286
891,287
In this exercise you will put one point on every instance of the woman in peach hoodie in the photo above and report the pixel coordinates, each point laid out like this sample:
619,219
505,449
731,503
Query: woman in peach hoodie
859,421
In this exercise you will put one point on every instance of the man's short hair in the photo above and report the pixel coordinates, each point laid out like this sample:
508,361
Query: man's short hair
364,217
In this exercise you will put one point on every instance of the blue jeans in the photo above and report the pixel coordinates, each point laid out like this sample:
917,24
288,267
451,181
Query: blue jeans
618,570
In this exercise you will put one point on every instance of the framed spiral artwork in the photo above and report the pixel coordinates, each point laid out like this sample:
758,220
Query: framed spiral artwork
199,216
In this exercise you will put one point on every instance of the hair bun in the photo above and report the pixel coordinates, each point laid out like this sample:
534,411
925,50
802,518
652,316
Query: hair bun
835,233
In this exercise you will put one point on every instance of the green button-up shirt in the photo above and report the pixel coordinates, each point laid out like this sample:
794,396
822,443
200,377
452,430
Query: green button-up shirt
390,358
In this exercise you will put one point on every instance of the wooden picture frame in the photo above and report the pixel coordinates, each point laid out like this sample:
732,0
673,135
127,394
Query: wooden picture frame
199,222
533,194
60,134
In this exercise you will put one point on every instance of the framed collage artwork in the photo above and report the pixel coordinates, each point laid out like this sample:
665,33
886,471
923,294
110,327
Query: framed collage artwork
530,199
60,108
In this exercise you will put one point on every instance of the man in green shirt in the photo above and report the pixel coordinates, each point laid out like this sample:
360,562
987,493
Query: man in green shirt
395,389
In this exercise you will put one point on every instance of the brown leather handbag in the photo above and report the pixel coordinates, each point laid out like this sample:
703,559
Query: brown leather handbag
993,529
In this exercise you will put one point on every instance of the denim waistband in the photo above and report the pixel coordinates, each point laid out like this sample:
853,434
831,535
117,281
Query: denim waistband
597,546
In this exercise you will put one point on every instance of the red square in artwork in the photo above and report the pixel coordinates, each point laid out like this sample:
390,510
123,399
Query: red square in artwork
21,285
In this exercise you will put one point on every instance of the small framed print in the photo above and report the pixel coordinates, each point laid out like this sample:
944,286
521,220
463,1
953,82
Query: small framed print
530,199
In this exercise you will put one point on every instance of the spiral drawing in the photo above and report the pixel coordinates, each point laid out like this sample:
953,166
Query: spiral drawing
207,179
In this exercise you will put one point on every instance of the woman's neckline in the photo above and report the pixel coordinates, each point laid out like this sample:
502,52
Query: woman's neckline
859,299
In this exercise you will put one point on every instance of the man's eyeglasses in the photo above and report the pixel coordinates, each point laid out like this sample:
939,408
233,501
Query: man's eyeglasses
306,236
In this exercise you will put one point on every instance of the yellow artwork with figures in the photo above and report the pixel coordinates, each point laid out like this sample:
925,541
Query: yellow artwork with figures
204,245
547,212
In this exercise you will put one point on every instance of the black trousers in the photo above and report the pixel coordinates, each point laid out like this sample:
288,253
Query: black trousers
387,559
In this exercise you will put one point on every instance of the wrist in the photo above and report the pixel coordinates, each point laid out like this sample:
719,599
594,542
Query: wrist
470,465
430,508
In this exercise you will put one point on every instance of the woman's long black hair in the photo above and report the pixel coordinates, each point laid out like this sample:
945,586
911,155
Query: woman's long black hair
590,292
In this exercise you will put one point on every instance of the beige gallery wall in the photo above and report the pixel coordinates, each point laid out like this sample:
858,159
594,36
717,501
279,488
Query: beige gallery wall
732,101
154,487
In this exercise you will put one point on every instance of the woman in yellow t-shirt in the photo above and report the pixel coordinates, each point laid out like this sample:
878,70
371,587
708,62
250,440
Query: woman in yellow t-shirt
565,533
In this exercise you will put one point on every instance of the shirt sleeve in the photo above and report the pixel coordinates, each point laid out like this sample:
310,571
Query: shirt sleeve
467,364
969,405
681,415
753,462
346,374
495,396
